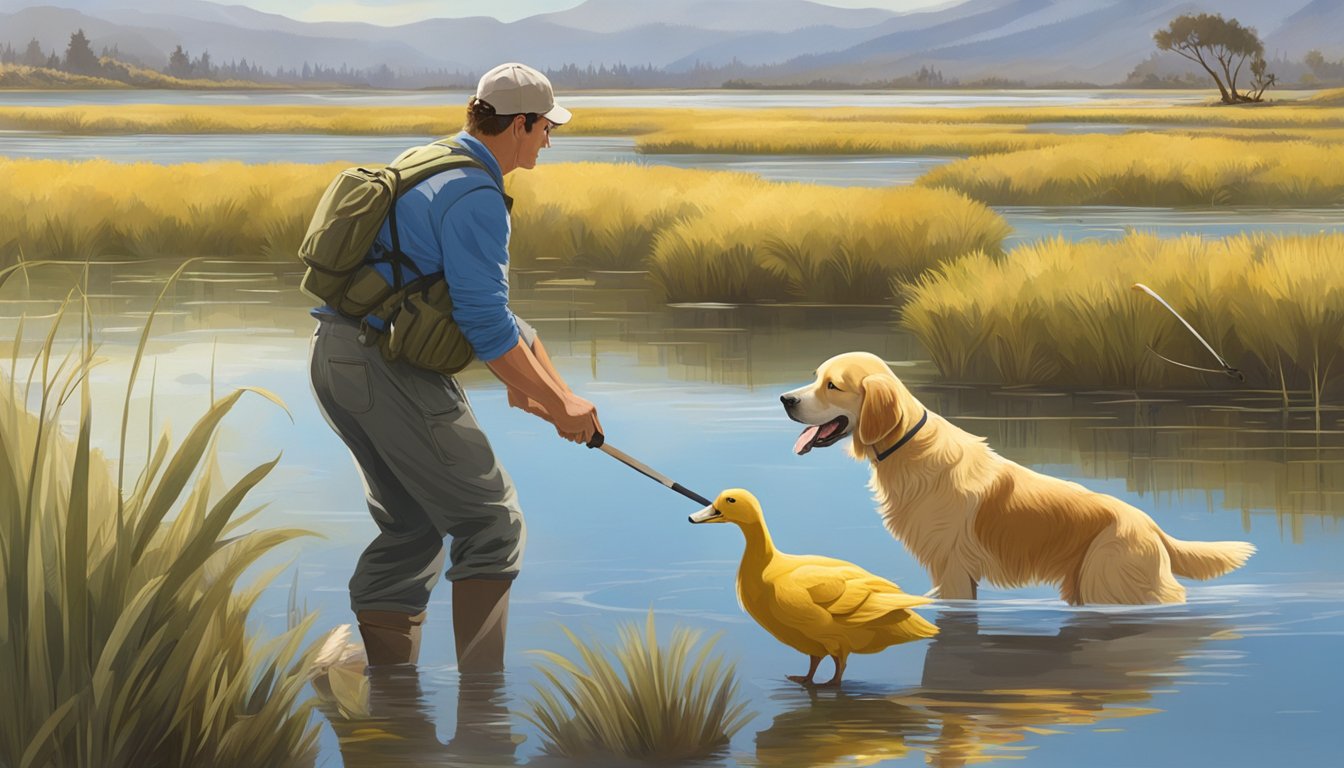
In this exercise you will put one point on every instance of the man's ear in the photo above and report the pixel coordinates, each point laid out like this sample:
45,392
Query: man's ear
879,415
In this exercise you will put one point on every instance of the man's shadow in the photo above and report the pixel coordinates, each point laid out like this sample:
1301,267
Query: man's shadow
982,692
382,716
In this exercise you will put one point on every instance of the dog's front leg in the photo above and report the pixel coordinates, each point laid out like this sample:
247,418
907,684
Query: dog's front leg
955,585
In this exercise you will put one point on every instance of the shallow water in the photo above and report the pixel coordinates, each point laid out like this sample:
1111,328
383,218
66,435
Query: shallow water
693,391
1077,222
842,170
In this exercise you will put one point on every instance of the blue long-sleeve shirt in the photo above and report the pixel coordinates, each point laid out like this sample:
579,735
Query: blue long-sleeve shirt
456,222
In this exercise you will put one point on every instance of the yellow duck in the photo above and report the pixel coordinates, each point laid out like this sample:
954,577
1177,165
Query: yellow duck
817,605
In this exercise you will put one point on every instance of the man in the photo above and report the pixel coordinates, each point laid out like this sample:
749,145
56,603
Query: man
428,470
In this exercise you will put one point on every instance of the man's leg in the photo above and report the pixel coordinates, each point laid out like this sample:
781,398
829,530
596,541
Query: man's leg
480,511
480,623
364,406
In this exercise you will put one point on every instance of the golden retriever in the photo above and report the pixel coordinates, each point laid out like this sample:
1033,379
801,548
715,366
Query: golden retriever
968,514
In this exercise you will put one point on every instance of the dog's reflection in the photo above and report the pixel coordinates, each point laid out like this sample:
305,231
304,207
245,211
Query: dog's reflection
382,716
982,692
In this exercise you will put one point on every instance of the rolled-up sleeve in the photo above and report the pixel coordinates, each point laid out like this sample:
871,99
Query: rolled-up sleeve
475,240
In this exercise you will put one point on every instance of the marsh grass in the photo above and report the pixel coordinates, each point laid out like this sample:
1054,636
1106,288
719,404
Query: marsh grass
800,243
673,702
848,137
868,128
833,245
1153,170
99,209
127,76
125,637
715,236
1062,313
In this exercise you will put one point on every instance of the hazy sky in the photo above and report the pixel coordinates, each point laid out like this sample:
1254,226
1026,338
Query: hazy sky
401,11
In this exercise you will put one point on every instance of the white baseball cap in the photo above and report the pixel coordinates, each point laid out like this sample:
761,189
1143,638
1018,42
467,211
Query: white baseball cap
515,89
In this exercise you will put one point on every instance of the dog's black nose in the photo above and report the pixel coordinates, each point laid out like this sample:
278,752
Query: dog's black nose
788,400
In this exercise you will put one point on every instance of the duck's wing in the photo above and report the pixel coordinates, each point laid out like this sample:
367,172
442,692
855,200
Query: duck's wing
852,595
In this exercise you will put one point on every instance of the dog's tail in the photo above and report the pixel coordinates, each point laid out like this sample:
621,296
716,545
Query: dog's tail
1206,559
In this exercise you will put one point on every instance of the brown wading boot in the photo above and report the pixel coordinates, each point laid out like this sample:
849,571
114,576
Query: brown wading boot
480,618
390,637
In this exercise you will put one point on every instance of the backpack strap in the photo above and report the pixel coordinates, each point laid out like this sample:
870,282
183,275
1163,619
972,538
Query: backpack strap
406,179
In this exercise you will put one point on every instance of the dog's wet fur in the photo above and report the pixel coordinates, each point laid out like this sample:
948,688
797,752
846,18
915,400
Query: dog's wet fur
969,515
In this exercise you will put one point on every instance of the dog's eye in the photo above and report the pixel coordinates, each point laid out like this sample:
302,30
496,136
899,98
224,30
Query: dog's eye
831,385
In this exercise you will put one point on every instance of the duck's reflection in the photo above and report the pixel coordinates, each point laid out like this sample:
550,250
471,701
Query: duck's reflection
841,728
382,716
983,693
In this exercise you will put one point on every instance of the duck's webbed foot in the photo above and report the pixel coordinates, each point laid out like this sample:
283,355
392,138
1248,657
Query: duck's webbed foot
811,671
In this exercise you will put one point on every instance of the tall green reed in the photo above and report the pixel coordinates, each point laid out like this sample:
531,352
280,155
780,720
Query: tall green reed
125,624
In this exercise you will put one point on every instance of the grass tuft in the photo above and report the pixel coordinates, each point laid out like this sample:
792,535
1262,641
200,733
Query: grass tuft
672,702
1153,170
1061,313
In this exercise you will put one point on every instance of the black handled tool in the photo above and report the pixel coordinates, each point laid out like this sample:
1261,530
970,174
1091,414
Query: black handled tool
599,441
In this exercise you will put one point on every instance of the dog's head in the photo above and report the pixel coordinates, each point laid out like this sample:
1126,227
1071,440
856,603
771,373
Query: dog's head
854,393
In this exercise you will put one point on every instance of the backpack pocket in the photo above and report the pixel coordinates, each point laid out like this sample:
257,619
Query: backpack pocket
342,230
421,331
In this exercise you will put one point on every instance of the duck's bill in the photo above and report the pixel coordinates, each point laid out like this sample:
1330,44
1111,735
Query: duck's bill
820,436
707,515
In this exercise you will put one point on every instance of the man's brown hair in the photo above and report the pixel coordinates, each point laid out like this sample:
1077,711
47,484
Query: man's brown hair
482,119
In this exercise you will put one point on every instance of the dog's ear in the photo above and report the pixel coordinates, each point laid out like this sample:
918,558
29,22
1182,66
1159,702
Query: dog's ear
879,415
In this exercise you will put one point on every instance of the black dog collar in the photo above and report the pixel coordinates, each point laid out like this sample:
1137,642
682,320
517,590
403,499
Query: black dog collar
906,438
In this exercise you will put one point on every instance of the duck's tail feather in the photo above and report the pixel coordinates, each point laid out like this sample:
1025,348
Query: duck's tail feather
893,612
912,626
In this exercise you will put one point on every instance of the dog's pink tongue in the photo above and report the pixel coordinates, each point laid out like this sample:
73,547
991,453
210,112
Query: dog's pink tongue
804,443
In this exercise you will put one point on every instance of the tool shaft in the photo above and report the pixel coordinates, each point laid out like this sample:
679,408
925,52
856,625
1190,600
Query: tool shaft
652,474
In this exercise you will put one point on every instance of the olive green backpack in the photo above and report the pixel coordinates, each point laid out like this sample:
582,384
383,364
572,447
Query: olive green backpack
415,310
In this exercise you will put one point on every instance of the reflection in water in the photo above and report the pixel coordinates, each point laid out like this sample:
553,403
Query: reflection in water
383,717
1243,449
983,694
841,729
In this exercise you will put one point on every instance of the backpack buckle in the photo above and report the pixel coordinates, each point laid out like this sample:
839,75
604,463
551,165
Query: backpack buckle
368,335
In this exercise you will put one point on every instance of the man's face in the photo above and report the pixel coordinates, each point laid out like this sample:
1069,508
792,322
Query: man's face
530,143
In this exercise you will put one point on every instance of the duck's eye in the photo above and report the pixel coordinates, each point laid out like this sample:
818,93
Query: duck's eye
831,385
731,500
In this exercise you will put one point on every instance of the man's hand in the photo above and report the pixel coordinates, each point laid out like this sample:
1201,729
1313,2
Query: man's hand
540,391
579,421
576,422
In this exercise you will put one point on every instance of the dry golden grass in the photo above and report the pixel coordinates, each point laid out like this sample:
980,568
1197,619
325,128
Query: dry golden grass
129,76
641,700
946,130
1153,169
1063,313
754,136
179,119
98,209
713,236
785,242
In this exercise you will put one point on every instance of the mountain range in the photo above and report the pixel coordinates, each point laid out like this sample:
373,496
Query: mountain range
1036,41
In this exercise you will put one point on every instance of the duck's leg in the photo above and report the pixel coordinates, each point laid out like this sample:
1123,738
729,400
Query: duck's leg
834,682
811,670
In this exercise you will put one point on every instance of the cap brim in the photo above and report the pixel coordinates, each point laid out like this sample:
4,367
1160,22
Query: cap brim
558,115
